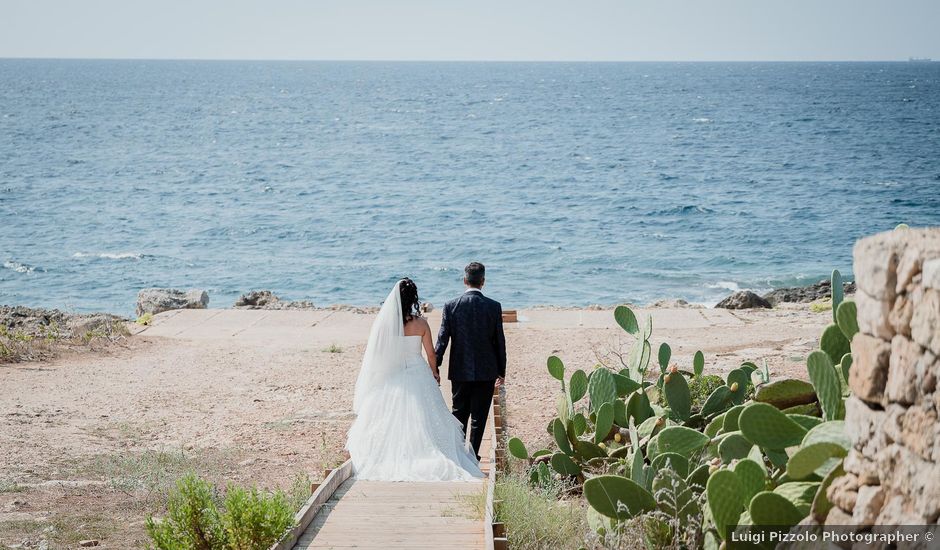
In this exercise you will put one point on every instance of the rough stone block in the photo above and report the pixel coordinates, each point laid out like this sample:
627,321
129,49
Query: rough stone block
905,473
925,323
931,274
896,511
866,470
861,422
844,492
875,266
903,382
910,265
900,315
874,315
920,432
869,372
868,504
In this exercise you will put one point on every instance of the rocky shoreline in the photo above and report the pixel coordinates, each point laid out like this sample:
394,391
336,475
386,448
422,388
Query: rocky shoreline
746,299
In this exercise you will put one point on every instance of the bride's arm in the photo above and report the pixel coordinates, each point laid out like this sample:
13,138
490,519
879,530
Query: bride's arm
429,351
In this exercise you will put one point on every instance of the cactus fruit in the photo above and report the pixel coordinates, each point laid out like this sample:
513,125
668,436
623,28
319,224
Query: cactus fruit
828,386
768,508
563,464
556,368
737,381
618,497
667,377
605,421
681,440
786,393
847,319
577,386
698,363
660,422
752,477
665,353
626,319
602,388
617,437
678,396
517,448
769,428
811,457
725,500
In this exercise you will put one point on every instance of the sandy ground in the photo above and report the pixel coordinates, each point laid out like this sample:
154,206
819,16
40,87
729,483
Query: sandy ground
90,443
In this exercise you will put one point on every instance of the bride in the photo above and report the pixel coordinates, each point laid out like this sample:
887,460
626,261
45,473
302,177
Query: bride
403,429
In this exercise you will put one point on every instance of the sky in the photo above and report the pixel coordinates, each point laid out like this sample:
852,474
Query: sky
504,30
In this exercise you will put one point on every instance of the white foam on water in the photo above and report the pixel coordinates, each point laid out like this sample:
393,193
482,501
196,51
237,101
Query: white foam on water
18,267
109,255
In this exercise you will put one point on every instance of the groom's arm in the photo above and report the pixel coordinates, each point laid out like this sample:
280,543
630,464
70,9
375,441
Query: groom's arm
500,344
443,336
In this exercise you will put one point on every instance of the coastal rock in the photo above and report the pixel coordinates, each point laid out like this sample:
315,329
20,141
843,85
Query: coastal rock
54,323
744,299
265,299
806,294
156,300
427,307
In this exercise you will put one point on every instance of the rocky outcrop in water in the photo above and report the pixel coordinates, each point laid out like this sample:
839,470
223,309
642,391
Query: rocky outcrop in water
743,299
265,299
156,300
806,294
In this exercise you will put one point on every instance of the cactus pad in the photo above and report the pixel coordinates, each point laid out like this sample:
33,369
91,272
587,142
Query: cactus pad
733,446
605,421
602,388
730,423
828,387
838,293
811,457
577,386
678,463
786,393
738,382
725,500
618,497
752,477
717,401
847,319
681,440
556,368
834,343
767,508
517,448
698,363
678,396
766,426
799,493
626,319
561,436
665,353
563,464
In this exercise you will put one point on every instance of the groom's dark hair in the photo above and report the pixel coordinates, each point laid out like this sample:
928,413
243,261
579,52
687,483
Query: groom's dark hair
474,274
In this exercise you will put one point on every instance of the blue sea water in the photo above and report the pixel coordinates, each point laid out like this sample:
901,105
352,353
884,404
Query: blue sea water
575,183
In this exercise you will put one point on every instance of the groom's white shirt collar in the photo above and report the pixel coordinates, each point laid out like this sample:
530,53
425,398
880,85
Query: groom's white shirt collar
471,289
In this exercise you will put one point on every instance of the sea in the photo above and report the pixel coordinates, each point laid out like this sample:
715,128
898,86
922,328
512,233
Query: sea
574,183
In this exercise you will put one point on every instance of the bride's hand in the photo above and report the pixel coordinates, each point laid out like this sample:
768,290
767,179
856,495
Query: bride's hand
437,376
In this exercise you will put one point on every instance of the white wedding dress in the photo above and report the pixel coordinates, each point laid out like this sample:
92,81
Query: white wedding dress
403,429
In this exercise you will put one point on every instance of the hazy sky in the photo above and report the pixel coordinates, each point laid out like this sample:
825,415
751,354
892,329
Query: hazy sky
629,30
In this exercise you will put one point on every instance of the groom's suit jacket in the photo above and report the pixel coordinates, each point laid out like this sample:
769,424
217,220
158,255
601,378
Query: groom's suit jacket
474,325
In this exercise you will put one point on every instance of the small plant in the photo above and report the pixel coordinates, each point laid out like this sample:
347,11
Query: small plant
333,349
534,518
247,519
146,319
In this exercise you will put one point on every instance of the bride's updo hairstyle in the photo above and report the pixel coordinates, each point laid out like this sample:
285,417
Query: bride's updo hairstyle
410,303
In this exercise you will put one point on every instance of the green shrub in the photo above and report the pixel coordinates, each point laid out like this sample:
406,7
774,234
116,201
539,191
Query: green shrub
249,519
254,520
193,521
535,519
702,386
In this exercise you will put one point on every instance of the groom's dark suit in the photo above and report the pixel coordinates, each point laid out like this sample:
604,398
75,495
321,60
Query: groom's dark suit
477,357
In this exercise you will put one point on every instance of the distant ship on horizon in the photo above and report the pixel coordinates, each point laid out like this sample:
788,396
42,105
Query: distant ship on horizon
919,60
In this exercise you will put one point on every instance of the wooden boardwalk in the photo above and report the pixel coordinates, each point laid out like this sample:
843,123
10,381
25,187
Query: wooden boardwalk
379,514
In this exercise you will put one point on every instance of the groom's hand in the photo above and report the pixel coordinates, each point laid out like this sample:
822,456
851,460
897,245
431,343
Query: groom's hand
500,381
437,376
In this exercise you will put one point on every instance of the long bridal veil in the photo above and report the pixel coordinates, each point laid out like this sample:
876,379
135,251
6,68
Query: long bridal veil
385,352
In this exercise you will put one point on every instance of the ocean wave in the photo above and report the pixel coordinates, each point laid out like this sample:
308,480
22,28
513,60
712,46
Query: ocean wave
110,255
683,210
724,285
19,267
702,120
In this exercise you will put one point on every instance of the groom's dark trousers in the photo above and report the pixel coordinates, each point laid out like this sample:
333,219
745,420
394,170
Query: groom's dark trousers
473,326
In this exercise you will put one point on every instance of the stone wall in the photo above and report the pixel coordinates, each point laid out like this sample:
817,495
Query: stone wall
893,471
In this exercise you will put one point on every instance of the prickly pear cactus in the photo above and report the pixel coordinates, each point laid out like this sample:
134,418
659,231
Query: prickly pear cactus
828,387
769,428
768,508
602,388
618,497
681,440
725,496
605,421
676,390
786,393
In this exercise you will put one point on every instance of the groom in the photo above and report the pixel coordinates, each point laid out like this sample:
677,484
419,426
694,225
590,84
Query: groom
478,355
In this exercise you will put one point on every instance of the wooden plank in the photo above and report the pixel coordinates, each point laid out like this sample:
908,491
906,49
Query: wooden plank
309,510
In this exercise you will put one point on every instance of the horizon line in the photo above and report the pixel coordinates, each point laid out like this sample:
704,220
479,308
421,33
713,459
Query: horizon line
380,60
